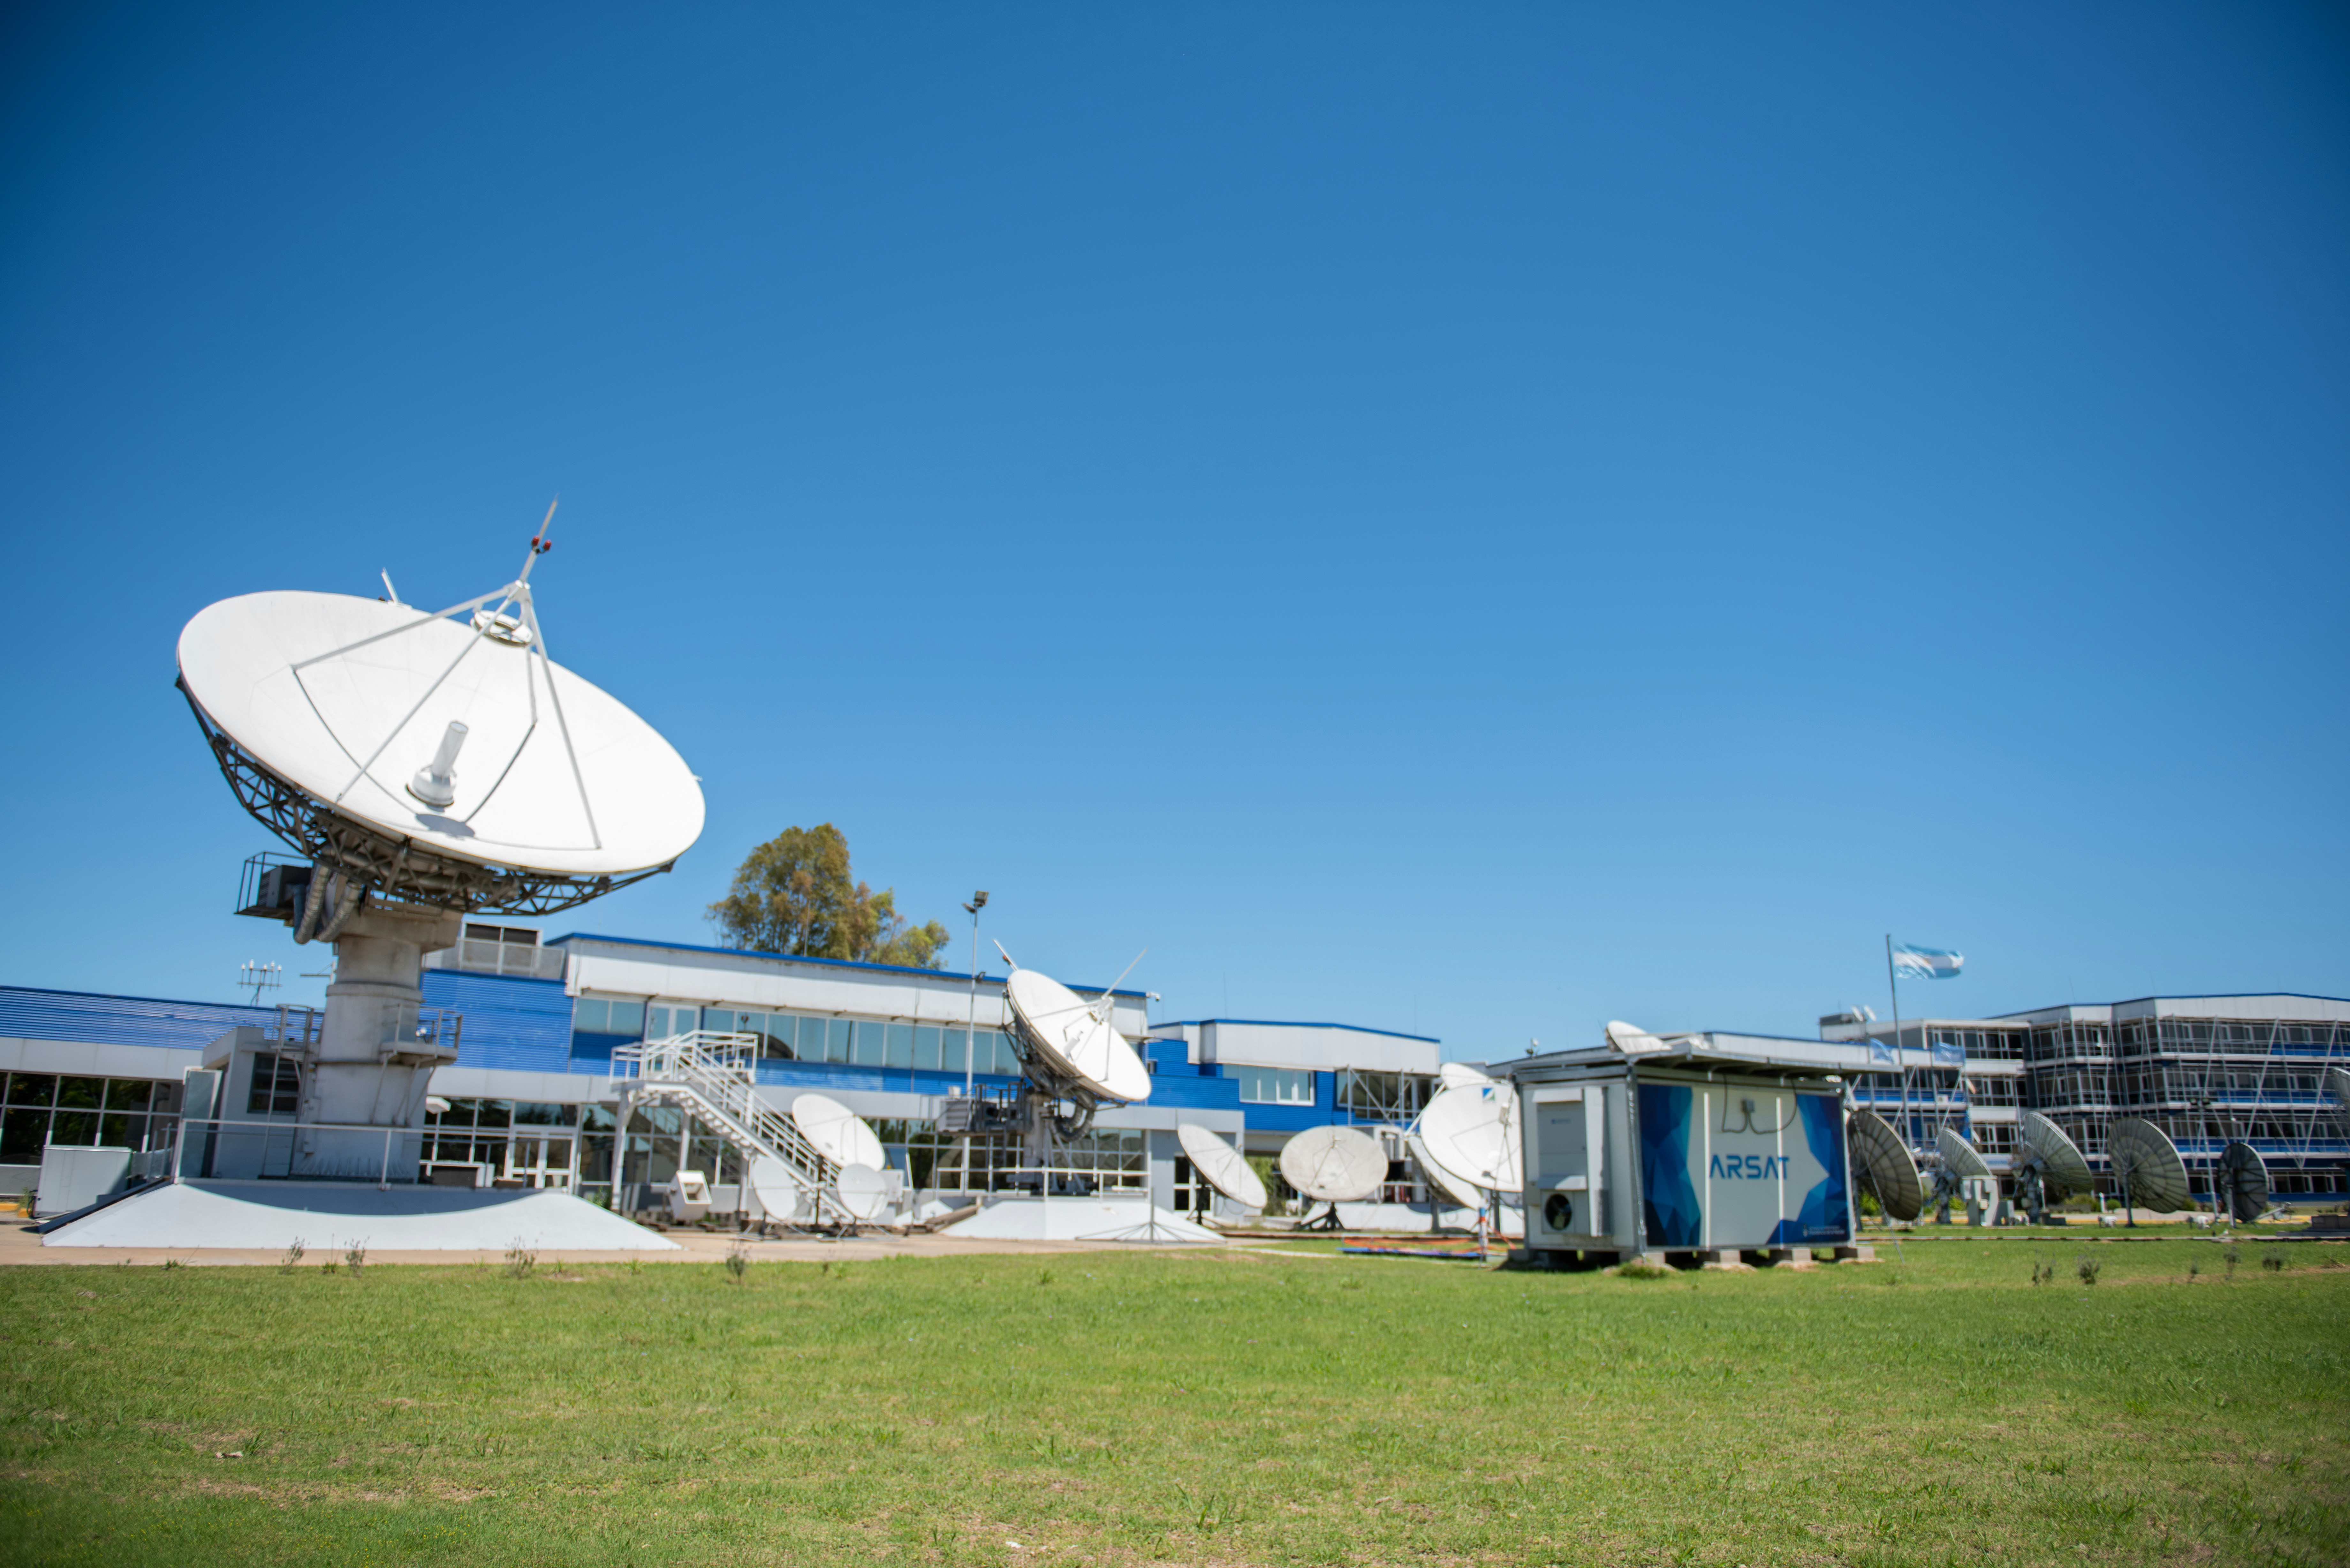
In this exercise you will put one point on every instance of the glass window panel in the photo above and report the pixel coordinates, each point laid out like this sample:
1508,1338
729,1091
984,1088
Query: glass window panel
868,1048
591,1015
114,1130
626,1018
495,1114
32,1089
23,1131
72,1128
537,1114
900,1049
81,1093
951,1050
926,1047
836,1039
1005,1062
718,1019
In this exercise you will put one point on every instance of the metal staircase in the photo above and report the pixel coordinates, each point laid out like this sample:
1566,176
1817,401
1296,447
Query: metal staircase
709,1076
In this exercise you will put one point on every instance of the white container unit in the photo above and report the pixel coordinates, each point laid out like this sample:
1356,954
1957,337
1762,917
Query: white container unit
1680,1151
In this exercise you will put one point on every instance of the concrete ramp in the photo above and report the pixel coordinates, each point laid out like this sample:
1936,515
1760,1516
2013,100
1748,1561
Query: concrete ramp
327,1216
1076,1220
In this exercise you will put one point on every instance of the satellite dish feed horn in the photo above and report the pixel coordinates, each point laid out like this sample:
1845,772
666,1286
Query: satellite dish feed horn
435,782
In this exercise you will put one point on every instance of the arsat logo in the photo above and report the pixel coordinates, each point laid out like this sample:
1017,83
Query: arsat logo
1747,1168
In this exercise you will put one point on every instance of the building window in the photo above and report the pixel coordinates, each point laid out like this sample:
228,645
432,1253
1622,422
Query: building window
277,1086
608,1015
1276,1087
1383,1096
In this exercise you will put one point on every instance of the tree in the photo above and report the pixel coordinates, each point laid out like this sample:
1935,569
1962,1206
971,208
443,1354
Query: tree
794,894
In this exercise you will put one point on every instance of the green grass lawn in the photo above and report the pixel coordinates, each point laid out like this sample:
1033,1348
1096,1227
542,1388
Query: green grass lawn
1187,1407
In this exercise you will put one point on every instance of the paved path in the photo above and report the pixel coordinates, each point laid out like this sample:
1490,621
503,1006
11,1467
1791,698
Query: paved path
19,1245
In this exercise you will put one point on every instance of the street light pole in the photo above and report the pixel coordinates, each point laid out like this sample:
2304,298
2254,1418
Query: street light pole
971,1029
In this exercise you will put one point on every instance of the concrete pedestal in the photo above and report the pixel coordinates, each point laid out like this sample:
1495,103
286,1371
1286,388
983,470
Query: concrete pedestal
369,1067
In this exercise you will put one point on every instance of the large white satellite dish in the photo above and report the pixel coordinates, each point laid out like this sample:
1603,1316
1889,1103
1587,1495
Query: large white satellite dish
428,767
1473,1132
1075,1038
1458,1188
1460,1076
1220,1166
1633,1040
1333,1165
839,1133
369,731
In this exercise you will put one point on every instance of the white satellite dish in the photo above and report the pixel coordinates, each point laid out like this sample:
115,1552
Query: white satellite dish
1960,1158
778,1187
1633,1040
436,739
428,767
1220,1166
1333,1165
2060,1162
1885,1165
2147,1164
1075,1038
839,1133
1473,1132
864,1191
1458,1188
1460,1076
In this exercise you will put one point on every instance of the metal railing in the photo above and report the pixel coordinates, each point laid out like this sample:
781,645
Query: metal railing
712,1076
270,1131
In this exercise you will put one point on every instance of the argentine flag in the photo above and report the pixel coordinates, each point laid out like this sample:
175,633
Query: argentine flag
1911,962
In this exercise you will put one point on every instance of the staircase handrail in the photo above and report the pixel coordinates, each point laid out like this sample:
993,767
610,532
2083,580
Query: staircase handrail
716,1070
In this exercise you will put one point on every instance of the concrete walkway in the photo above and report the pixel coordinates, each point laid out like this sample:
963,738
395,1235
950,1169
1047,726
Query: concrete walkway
19,1245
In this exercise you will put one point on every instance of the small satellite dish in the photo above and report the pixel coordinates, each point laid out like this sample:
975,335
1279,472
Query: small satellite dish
2147,1163
1960,1158
864,1189
839,1133
2060,1162
1333,1165
1074,1037
2244,1181
1884,1165
1220,1166
778,1187
1633,1040
1460,1076
1473,1132
1458,1188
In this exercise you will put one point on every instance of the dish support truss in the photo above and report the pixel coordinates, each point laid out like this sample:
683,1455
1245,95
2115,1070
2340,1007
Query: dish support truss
710,1076
374,863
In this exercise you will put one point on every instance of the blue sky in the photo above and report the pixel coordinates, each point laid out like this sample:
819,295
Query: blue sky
1477,520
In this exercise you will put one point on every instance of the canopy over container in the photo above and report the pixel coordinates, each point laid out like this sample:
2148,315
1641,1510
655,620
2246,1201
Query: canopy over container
1681,1150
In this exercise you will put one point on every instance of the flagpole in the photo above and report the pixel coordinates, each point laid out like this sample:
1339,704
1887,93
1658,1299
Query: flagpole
1893,982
